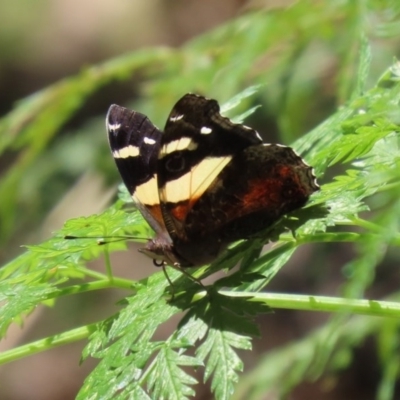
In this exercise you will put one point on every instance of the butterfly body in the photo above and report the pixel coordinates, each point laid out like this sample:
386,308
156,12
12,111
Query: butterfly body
204,182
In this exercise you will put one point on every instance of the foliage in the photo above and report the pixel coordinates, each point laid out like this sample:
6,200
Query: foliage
355,148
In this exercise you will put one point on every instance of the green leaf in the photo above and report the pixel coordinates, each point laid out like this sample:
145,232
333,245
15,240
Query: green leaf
174,382
222,361
223,323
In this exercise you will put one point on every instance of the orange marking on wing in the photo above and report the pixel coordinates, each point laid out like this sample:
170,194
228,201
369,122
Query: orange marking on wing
271,193
182,208
297,186
284,185
262,193
155,211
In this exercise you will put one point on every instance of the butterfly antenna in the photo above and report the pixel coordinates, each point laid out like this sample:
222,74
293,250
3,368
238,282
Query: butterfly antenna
101,239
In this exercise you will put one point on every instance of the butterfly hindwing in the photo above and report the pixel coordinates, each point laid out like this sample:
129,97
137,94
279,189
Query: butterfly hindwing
259,185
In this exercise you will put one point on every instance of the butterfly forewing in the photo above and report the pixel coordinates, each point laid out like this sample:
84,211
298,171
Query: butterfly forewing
135,145
198,143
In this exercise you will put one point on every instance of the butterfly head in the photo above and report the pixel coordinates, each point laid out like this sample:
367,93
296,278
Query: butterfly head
161,250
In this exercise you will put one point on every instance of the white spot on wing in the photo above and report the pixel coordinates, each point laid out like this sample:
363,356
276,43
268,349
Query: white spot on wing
114,127
149,140
251,129
205,130
183,143
257,134
126,152
176,118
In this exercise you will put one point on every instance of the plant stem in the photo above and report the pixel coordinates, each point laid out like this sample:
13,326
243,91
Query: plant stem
47,343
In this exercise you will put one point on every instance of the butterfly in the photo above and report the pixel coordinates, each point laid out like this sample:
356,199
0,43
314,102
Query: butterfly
204,182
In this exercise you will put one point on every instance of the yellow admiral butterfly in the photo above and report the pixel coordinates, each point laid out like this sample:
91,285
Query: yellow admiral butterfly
204,182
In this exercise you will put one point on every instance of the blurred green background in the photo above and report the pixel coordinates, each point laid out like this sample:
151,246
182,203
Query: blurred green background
304,53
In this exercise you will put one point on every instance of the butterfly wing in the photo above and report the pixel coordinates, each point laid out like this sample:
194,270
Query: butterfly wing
260,185
198,143
135,144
